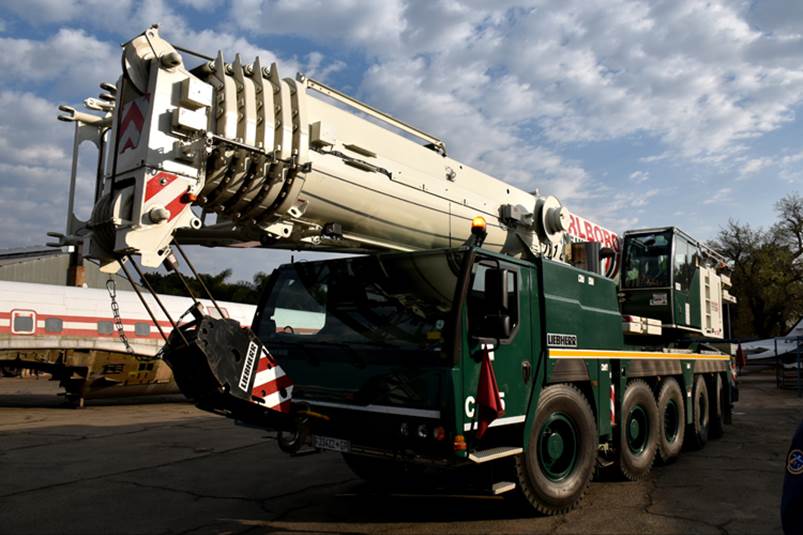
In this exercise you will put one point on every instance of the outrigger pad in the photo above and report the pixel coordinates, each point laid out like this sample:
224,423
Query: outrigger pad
225,368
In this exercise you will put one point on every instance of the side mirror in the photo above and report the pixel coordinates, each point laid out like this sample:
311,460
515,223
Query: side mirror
496,290
496,326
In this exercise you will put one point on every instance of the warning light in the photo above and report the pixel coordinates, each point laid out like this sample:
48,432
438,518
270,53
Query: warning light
478,224
439,433
478,230
460,443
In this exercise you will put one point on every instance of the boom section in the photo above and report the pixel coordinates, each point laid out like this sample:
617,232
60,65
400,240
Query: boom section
232,154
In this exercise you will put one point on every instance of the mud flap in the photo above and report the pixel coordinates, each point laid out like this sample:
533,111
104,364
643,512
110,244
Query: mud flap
224,368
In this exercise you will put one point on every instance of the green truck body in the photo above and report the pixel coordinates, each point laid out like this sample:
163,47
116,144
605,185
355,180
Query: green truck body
386,356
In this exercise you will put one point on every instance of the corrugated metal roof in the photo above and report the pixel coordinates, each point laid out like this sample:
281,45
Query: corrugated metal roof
48,265
23,254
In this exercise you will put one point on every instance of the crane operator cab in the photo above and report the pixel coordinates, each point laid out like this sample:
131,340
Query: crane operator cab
669,276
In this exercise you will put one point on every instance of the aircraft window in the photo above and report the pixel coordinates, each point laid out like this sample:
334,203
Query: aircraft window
105,327
24,322
142,329
54,325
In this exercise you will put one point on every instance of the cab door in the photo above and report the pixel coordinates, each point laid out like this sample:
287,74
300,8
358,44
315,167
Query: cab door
511,356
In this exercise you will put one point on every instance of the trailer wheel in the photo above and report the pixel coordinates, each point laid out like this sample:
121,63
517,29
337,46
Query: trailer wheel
716,429
698,429
556,468
638,431
671,420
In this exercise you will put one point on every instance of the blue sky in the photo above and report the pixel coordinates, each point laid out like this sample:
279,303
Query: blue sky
634,113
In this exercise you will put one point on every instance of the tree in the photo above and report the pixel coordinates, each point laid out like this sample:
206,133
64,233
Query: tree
237,292
767,271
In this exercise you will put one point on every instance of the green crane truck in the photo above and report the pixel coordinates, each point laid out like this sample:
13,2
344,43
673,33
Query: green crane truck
384,357
471,332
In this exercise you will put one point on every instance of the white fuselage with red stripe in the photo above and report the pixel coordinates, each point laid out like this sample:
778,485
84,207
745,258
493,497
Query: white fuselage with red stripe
44,316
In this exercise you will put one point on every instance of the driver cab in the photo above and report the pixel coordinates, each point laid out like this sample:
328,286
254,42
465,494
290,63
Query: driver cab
659,275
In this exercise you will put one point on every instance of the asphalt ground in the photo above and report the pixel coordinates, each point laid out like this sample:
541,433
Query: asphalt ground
163,466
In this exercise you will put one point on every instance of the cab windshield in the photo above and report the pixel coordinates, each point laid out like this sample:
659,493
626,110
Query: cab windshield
646,262
395,303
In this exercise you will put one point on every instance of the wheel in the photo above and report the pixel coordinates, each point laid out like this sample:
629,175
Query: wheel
715,428
697,434
384,473
671,420
638,431
556,468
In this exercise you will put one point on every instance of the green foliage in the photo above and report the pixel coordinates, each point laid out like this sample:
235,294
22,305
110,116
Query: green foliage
237,292
767,271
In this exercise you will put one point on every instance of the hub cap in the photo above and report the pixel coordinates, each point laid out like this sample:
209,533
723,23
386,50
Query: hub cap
557,446
638,429
671,421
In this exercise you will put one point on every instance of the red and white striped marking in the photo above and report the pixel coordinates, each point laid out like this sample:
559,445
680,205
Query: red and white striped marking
132,122
613,405
271,385
163,189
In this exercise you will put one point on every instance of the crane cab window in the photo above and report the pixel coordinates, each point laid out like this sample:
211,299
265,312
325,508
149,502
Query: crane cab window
23,322
684,263
647,260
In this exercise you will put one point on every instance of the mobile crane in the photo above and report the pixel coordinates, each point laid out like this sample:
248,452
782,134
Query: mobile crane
470,330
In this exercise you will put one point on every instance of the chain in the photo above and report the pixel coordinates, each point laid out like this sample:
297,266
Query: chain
111,286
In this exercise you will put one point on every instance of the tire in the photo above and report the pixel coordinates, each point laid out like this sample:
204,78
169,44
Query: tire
697,432
671,420
716,427
638,431
556,468
386,474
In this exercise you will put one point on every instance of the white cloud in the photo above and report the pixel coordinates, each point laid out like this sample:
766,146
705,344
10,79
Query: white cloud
755,165
34,169
721,195
202,5
693,74
639,176
98,12
77,60
792,158
374,25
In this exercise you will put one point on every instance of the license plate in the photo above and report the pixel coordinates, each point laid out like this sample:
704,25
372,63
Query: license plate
332,444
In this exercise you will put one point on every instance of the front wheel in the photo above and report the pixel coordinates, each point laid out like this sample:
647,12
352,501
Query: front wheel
556,468
638,431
